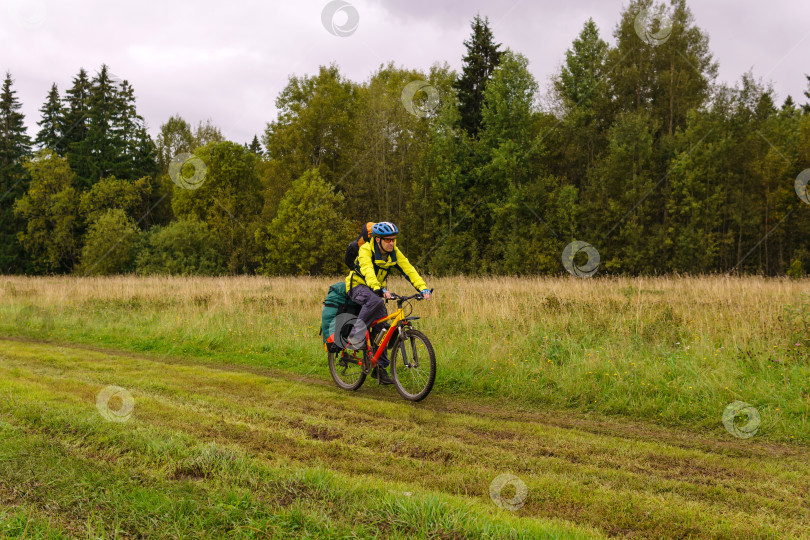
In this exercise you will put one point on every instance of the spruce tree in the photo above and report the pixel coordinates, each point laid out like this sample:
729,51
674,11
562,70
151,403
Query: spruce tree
144,153
75,124
14,141
74,127
139,152
110,137
104,143
125,127
15,145
806,106
50,127
255,147
480,61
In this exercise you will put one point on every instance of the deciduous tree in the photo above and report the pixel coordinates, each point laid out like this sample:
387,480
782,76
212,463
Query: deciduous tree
49,211
310,232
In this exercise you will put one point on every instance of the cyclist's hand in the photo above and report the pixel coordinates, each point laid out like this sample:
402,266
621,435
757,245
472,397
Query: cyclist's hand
426,294
386,294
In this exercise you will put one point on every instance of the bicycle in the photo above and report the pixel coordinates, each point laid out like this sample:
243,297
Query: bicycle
413,362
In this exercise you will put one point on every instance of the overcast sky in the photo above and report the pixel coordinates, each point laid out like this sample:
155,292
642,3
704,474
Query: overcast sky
228,61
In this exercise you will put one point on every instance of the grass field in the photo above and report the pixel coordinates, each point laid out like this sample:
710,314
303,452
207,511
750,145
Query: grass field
604,397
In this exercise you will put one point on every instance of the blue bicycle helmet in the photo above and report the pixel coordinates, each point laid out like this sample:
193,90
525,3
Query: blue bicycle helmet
384,228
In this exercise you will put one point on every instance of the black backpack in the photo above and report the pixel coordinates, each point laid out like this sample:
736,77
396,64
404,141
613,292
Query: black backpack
354,247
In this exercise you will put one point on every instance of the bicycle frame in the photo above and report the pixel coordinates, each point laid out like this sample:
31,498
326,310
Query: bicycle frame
399,320
397,317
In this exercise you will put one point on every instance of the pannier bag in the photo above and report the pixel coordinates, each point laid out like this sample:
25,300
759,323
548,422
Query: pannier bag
338,317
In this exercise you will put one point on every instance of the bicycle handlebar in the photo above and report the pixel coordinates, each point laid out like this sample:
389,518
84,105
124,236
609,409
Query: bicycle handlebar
400,299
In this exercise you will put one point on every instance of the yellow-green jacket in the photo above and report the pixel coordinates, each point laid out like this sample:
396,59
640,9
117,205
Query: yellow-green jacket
372,266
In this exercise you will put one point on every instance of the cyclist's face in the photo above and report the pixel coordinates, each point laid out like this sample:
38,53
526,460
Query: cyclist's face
387,244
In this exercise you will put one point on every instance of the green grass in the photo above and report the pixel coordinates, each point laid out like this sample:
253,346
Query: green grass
212,452
604,396
195,463
672,351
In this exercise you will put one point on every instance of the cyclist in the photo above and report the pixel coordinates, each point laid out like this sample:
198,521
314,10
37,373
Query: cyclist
366,283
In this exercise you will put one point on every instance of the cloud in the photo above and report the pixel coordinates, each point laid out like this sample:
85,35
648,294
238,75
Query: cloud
229,61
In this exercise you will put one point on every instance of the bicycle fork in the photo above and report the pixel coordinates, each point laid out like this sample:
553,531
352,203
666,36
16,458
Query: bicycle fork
407,361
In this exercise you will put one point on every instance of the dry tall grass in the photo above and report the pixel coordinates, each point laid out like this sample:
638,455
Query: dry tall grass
712,304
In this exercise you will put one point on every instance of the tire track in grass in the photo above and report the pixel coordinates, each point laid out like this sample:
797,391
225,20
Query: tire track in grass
612,480
419,456
491,408
217,491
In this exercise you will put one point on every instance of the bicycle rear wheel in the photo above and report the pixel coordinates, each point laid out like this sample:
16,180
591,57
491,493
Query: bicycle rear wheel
347,371
413,365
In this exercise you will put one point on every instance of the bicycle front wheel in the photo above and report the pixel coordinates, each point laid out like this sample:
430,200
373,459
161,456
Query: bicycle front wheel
413,365
347,369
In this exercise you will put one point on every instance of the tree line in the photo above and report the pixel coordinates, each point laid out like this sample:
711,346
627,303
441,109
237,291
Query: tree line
637,151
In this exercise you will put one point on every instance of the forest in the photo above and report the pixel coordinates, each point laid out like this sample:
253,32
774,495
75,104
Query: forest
635,149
